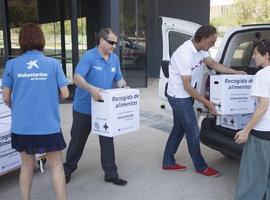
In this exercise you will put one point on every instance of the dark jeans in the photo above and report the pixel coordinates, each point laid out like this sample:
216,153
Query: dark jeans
80,130
185,122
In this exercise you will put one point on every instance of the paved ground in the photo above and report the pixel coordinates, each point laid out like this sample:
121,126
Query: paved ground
139,157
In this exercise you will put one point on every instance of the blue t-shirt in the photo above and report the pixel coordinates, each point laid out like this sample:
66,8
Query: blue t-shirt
34,80
97,72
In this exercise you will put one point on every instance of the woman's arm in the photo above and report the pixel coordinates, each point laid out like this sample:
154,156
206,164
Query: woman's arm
242,136
64,93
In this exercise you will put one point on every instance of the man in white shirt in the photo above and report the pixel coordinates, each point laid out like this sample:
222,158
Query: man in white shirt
184,69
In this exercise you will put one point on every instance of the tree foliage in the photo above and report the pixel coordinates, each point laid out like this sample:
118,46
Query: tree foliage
252,11
128,18
244,12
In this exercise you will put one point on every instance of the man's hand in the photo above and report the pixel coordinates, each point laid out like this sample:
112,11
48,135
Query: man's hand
211,107
121,84
241,136
95,93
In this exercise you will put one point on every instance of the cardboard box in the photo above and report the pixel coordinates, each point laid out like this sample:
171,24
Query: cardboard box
4,110
9,158
235,122
118,114
231,94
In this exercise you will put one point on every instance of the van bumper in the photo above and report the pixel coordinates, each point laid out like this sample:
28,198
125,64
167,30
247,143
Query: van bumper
220,139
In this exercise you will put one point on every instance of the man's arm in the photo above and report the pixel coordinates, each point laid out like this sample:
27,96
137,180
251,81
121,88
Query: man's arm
94,91
121,83
192,92
7,96
220,68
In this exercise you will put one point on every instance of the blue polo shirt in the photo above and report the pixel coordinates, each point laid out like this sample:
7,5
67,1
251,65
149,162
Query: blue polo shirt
97,72
34,80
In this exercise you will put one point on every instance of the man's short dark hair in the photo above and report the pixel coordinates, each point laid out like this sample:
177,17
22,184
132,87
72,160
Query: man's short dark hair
31,37
204,32
103,33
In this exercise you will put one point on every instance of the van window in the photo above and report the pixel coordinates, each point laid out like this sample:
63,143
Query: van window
242,55
176,39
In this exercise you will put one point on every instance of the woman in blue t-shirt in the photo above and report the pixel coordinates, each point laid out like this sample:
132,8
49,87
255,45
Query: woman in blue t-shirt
32,86
254,174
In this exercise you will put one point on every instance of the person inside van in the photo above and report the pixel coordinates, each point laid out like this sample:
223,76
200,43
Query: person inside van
185,66
254,179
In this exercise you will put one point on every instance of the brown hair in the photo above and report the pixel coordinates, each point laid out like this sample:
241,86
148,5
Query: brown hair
31,38
204,32
263,47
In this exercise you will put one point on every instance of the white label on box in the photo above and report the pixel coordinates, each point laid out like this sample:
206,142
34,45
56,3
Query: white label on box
230,93
235,122
9,158
118,114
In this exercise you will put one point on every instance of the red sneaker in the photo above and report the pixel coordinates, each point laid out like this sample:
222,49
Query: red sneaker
209,172
174,167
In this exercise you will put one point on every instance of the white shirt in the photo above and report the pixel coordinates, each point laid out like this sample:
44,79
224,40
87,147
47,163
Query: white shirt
185,61
261,88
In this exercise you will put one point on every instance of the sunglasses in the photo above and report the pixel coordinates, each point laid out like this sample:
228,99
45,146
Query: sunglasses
111,42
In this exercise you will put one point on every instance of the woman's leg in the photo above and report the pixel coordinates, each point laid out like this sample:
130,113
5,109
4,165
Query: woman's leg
27,168
254,170
55,160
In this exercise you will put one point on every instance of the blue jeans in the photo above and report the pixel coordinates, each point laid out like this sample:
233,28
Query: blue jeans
185,122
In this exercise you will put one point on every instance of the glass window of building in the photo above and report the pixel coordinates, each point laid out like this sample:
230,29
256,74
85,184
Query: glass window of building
45,13
53,16
19,12
132,42
1,48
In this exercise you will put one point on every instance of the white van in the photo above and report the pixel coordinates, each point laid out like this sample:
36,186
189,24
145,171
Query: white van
235,50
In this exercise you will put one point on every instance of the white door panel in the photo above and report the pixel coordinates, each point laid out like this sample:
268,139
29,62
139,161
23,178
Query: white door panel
174,33
175,25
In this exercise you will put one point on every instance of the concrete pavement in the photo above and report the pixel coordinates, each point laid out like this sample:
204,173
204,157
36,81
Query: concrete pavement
139,158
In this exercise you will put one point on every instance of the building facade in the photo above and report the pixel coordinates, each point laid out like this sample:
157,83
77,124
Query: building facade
70,27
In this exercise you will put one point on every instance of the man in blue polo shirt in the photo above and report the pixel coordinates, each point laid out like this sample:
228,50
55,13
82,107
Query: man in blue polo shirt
96,70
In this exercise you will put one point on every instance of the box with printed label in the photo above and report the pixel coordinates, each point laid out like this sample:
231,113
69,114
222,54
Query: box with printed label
118,114
235,122
231,94
9,158
4,109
